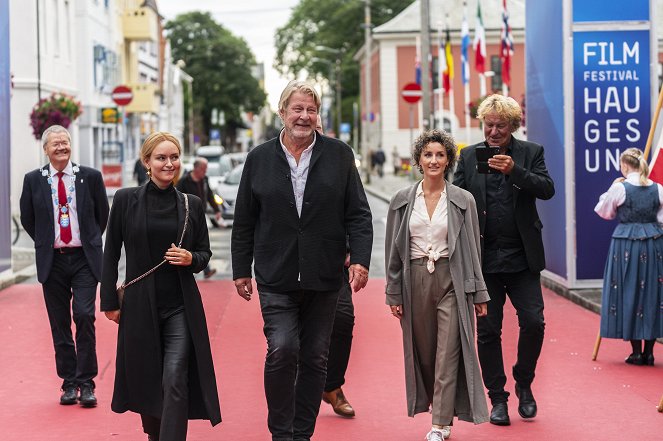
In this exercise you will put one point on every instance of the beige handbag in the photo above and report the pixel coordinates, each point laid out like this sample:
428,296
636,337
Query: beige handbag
120,289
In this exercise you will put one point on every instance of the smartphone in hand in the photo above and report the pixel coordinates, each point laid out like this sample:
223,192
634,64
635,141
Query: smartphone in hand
483,155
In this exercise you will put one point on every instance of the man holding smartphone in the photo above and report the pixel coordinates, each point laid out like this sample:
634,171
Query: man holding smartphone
506,176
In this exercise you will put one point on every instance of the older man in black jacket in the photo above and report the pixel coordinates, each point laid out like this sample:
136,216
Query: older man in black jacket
299,196
512,248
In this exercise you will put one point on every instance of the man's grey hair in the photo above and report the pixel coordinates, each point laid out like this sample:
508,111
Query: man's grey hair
198,161
53,129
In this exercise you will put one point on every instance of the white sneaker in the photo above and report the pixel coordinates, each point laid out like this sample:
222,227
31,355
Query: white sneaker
434,435
446,432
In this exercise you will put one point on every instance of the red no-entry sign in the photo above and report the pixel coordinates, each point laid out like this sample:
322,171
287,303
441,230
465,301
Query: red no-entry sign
411,92
122,95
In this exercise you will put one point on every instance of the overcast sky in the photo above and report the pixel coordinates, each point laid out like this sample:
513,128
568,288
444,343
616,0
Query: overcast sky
254,20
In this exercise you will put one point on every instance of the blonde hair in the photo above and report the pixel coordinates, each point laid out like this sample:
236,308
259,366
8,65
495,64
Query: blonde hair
294,87
503,106
151,143
634,158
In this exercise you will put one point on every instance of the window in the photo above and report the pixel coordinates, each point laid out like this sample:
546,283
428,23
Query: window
496,66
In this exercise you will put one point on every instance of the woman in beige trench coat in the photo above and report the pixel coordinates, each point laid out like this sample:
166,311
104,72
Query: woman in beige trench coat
435,286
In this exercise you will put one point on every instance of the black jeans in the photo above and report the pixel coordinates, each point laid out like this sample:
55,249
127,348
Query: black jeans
71,278
298,327
341,338
524,291
176,347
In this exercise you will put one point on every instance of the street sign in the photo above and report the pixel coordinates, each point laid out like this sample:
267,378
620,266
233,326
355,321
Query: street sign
122,95
411,93
110,115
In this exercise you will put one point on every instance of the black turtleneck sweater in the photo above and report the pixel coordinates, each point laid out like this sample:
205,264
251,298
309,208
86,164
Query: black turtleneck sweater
162,226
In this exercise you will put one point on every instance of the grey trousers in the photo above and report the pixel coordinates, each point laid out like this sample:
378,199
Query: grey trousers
436,333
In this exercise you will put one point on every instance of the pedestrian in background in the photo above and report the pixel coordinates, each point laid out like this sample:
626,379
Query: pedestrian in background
64,209
163,369
512,248
140,174
379,161
300,195
195,182
341,339
631,305
396,159
434,287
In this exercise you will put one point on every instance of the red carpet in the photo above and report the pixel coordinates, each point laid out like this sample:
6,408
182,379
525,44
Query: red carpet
578,399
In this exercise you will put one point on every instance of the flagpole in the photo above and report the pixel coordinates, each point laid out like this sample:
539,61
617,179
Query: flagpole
467,112
440,87
466,71
420,104
652,129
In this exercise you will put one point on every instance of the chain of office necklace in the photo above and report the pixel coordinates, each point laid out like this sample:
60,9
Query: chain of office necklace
72,188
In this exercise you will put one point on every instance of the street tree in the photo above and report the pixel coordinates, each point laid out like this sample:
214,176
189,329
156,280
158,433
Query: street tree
221,65
315,27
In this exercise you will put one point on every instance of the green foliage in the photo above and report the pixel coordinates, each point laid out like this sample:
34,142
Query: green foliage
220,64
336,24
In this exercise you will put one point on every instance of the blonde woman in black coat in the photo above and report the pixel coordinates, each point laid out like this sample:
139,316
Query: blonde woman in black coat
164,368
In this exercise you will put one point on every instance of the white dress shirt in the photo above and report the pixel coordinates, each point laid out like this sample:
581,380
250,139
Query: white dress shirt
428,235
73,213
298,171
616,195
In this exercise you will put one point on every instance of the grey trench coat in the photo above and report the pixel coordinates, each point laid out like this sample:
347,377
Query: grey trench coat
469,286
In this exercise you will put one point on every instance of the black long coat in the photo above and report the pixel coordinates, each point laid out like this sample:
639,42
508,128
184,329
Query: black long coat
139,361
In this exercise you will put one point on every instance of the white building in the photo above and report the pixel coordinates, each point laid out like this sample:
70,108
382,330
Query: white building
98,66
43,60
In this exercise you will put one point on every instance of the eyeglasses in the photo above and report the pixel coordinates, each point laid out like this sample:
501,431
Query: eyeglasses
60,144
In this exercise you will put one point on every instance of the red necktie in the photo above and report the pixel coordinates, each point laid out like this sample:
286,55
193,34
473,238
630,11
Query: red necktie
64,218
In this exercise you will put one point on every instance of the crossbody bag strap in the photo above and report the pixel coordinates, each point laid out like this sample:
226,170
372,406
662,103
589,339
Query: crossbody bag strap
186,223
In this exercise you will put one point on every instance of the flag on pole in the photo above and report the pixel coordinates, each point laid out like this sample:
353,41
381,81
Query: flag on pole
479,44
507,46
417,62
465,46
656,163
448,72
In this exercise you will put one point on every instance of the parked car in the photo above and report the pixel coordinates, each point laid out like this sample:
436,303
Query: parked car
211,152
227,190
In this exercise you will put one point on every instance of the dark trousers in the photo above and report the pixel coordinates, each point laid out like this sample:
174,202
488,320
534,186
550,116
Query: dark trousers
524,291
176,346
298,327
341,338
71,278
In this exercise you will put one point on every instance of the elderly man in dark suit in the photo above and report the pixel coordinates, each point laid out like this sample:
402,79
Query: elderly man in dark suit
64,208
512,248
299,196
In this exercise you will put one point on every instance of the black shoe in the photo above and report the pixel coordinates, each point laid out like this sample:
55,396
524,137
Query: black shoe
636,359
87,398
648,359
526,405
69,395
500,415
210,273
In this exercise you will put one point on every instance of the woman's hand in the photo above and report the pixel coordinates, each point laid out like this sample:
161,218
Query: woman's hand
178,256
481,309
397,311
113,316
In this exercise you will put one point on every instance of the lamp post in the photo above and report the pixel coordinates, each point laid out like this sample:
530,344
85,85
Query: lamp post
336,79
331,77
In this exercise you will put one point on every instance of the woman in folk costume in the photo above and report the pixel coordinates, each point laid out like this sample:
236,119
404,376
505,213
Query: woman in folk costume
435,286
632,302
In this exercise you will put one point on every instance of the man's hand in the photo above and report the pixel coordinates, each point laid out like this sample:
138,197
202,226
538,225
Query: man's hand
358,276
244,288
397,311
481,309
113,316
502,163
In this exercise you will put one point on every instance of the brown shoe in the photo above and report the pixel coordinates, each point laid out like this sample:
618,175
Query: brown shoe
338,403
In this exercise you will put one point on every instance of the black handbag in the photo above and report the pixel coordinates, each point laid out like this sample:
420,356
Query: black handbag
121,288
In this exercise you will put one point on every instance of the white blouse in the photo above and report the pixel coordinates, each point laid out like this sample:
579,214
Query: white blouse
616,195
428,236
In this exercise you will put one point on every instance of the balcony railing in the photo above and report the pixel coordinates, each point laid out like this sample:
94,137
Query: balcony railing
140,24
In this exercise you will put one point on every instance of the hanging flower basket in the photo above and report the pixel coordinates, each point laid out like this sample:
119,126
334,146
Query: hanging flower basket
59,108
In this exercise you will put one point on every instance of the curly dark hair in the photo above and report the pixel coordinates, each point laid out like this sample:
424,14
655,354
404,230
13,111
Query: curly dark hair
435,135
